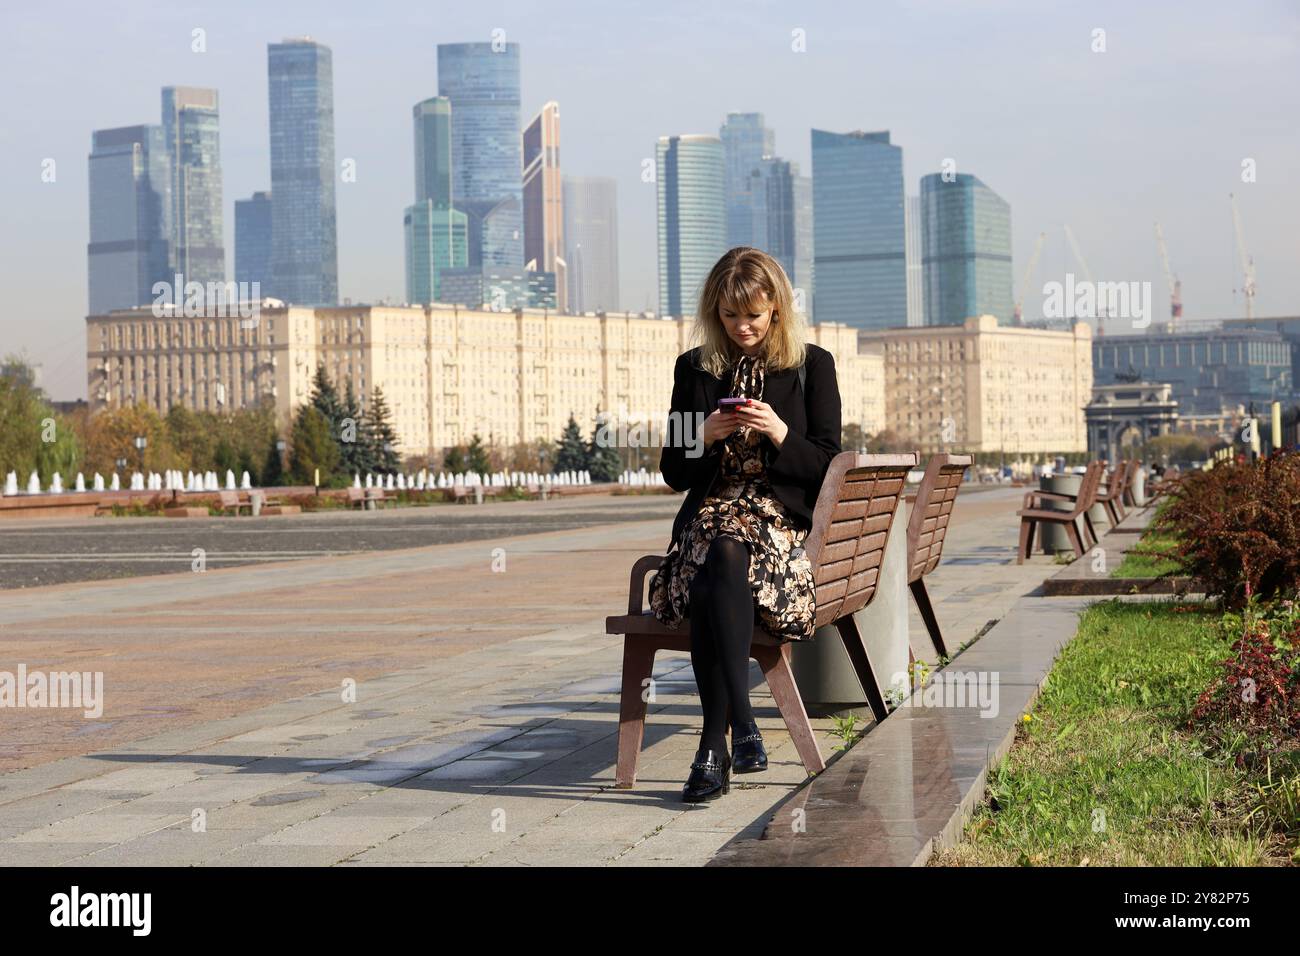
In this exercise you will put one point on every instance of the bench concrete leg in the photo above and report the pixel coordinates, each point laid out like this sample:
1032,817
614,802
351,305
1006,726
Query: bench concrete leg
1027,526
857,651
775,662
638,665
927,615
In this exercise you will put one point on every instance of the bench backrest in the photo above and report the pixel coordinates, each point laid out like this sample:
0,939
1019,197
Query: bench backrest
356,494
229,498
1087,496
931,512
850,530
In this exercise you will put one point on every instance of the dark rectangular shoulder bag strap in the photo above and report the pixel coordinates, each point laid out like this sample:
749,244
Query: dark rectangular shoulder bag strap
803,376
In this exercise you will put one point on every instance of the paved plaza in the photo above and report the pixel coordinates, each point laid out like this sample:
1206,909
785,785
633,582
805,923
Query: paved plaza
483,725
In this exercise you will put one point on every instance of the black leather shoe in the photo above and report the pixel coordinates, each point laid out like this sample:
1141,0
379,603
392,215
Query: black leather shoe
747,753
710,777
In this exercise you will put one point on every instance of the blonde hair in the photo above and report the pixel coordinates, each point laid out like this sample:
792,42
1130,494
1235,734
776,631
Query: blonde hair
743,279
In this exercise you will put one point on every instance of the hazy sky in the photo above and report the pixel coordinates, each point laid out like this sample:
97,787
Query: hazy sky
1156,127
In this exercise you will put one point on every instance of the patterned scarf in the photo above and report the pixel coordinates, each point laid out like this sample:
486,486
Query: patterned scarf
747,380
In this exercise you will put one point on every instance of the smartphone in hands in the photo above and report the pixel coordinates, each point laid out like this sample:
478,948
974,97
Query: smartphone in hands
731,404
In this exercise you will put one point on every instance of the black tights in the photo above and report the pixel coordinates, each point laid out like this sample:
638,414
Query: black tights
722,626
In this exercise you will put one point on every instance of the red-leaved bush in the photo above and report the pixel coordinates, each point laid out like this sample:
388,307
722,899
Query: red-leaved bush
1257,690
1238,528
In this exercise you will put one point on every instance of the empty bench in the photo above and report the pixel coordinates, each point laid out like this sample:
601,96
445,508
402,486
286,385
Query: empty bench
845,546
926,529
1034,513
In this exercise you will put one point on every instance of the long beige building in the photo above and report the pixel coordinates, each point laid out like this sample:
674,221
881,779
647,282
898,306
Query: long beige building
986,387
447,373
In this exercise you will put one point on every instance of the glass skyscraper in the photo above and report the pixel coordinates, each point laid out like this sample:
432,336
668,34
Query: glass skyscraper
915,276
304,235
481,80
745,142
966,250
433,151
130,217
544,199
782,221
692,217
191,123
436,241
253,241
591,238
859,244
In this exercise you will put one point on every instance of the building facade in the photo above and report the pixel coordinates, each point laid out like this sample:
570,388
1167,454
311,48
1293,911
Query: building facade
782,217
130,217
966,250
745,142
591,240
253,240
481,81
915,275
191,122
1211,371
691,214
436,242
859,230
432,121
982,387
304,227
447,373
544,199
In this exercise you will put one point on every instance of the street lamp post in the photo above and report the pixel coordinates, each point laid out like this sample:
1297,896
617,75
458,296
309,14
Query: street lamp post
141,443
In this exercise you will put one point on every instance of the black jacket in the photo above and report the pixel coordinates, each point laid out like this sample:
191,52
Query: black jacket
795,470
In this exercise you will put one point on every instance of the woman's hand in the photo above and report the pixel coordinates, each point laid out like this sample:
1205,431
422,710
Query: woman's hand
718,426
761,417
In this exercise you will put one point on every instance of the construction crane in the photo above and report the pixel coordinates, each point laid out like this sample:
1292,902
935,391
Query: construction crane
1087,274
1247,261
1175,285
1029,273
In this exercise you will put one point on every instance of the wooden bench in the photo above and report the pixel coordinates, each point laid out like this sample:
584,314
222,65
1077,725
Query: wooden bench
357,497
927,528
1034,514
846,545
230,501
377,496
1112,499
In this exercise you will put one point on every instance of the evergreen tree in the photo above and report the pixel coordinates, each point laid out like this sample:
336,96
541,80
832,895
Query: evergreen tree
325,399
571,454
454,460
272,473
355,443
313,447
476,457
381,435
603,460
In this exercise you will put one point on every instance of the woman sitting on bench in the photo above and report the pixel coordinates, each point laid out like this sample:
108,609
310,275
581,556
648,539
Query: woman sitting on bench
736,557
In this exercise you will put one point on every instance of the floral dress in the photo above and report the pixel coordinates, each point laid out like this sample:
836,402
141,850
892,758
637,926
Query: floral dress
741,504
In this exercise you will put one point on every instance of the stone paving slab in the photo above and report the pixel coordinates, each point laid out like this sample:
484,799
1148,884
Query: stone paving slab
482,746
909,785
